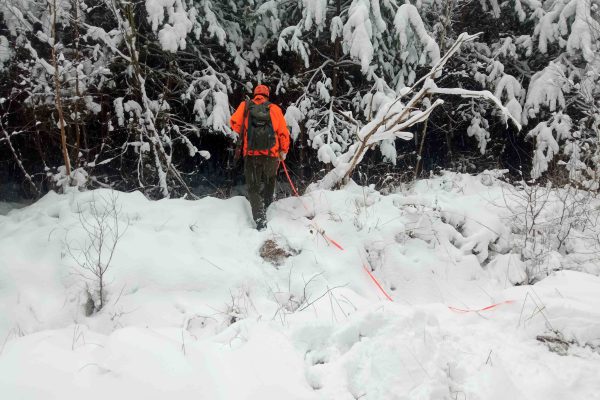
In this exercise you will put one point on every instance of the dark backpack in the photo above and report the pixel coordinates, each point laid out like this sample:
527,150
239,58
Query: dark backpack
260,135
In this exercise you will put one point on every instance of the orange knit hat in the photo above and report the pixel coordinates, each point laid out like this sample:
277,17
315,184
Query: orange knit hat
261,90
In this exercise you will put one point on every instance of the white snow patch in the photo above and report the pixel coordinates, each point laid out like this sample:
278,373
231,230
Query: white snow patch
193,311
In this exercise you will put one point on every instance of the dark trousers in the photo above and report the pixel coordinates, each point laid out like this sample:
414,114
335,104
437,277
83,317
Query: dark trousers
260,172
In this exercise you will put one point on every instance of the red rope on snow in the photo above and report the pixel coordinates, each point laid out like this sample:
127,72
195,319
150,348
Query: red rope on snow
289,179
336,244
330,240
377,283
461,310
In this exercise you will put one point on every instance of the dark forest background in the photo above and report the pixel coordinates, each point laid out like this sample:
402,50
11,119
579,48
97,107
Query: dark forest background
136,95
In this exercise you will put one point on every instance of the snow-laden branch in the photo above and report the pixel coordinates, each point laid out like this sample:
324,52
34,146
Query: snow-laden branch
394,118
484,94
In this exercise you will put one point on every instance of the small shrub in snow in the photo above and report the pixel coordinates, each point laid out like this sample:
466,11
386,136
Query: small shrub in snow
551,225
93,251
237,308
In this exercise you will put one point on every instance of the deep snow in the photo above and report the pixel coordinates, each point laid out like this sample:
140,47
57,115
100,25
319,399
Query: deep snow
7,206
193,311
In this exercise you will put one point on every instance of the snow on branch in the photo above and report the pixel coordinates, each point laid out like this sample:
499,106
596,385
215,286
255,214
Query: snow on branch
484,94
358,32
416,45
290,39
582,33
394,117
173,34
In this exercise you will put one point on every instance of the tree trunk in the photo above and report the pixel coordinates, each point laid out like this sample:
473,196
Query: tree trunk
79,127
337,50
58,98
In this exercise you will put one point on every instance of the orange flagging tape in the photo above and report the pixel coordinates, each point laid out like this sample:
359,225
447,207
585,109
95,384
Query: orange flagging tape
290,179
461,310
330,240
387,296
321,231
377,283
336,244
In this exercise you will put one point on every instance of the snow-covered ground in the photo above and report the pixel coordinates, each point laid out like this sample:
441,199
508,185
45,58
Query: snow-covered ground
6,206
193,311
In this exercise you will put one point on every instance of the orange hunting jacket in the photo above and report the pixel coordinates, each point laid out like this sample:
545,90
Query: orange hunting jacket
282,134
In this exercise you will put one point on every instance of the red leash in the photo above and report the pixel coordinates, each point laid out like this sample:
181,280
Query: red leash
461,310
375,281
330,240
289,179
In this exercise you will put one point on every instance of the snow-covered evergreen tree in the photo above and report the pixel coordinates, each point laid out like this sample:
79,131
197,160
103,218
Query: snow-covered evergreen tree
144,85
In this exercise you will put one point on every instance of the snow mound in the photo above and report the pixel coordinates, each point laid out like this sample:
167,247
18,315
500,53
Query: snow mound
191,308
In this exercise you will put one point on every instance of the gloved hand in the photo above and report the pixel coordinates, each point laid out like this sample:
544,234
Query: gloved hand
282,155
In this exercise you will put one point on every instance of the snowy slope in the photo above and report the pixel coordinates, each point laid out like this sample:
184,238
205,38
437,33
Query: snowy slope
193,311
6,206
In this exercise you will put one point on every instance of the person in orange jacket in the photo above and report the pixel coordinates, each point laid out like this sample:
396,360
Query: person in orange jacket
265,140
